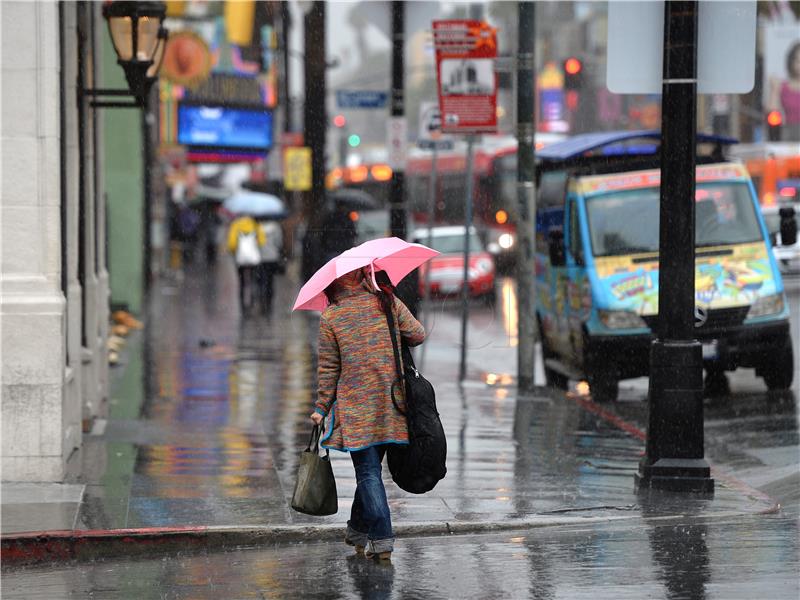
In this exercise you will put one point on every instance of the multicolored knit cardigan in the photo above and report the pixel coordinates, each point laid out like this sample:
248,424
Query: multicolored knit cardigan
356,369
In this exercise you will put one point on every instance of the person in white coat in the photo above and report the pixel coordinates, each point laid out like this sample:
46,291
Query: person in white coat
271,255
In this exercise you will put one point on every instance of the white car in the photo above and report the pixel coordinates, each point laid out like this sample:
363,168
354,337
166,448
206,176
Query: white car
788,257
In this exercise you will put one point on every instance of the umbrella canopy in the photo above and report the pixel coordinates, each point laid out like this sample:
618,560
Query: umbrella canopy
394,256
255,204
352,199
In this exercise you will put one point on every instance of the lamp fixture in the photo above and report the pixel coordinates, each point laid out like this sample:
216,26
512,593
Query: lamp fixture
158,55
139,39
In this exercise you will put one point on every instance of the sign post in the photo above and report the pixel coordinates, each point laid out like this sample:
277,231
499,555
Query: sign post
431,138
467,89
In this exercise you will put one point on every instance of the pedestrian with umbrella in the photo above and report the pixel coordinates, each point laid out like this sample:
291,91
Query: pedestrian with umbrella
356,371
246,238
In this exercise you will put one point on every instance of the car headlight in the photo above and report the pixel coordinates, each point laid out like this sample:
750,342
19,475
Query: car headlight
505,241
621,319
766,305
482,266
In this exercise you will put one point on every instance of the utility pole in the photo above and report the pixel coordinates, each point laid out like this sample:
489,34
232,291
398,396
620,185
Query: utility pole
526,198
396,191
675,447
315,123
408,289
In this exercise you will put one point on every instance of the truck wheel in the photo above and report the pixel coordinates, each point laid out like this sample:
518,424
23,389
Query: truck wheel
603,387
552,378
779,372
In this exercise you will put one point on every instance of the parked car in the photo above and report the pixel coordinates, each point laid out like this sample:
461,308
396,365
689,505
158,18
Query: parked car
447,269
788,256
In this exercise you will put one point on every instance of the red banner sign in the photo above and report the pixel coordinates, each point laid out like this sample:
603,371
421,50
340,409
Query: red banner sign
465,53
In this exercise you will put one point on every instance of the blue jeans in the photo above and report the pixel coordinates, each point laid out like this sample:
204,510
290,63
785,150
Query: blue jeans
370,523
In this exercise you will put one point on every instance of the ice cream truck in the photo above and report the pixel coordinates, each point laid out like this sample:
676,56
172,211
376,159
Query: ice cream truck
597,231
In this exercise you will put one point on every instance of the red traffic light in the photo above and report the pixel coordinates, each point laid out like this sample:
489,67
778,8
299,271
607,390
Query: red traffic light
339,121
572,66
774,118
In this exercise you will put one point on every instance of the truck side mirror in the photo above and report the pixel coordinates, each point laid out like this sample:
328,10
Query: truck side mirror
788,226
555,243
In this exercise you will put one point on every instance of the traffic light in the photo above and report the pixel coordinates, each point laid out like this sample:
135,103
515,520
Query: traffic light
573,73
354,140
339,121
573,82
774,123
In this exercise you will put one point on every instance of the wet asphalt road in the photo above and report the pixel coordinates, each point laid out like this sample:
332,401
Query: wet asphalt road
750,433
751,557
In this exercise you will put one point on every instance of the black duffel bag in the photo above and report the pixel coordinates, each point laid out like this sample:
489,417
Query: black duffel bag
420,465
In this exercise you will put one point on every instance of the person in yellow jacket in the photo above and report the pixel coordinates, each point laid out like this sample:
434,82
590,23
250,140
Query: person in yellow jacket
245,239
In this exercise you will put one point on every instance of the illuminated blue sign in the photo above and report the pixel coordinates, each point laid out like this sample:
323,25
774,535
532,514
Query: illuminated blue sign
223,127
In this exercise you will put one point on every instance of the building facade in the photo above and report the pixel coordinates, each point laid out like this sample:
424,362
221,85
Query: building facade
54,282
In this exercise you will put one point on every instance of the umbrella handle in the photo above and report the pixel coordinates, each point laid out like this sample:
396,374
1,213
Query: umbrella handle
372,272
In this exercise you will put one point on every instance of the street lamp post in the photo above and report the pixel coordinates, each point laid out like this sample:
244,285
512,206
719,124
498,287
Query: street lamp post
674,454
139,41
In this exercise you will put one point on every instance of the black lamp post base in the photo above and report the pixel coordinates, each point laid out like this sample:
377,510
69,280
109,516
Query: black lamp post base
675,475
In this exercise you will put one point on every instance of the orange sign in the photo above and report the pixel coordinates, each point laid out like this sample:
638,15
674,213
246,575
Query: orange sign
187,59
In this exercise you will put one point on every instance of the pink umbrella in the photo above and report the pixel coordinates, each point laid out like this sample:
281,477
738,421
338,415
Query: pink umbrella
394,256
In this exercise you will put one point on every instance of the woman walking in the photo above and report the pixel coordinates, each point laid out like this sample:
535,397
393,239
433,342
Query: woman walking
356,373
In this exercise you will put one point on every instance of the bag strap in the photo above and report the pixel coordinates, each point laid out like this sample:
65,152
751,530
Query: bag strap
313,443
398,367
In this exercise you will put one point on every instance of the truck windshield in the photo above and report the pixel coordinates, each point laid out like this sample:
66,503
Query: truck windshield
627,222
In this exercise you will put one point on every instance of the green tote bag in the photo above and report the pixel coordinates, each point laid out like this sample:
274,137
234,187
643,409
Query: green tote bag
315,488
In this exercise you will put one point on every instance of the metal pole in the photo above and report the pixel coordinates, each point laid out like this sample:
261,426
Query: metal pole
315,123
462,370
147,215
429,241
286,25
526,200
408,289
397,215
343,147
674,454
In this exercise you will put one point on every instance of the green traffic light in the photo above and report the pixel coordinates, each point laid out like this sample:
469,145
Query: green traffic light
354,140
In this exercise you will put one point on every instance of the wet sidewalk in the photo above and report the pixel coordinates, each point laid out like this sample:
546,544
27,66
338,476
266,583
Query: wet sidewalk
209,413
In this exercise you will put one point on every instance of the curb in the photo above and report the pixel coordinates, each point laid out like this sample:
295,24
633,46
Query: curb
37,547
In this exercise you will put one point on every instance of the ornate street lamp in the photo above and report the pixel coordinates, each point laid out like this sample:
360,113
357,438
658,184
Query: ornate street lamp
139,41
134,29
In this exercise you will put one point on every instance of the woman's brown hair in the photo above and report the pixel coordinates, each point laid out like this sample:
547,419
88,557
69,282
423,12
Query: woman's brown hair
386,292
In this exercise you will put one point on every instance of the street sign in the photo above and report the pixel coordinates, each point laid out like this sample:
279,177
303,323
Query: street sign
430,135
726,47
440,144
397,134
361,99
297,169
467,86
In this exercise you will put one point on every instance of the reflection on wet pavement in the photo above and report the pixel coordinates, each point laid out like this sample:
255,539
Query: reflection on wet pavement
750,557
224,419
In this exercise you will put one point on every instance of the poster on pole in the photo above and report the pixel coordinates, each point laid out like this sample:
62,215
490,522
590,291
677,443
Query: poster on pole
467,86
297,169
